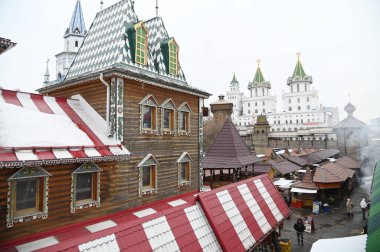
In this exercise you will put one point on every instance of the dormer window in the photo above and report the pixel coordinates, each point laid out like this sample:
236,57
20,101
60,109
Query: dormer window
173,57
141,44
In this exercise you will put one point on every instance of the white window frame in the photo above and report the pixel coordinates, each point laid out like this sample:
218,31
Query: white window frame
94,169
168,104
184,158
27,173
148,160
149,101
185,108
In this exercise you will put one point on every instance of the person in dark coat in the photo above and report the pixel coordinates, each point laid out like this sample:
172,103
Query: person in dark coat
300,228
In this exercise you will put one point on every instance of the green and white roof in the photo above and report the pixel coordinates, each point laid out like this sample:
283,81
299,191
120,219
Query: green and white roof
234,82
258,80
299,73
108,44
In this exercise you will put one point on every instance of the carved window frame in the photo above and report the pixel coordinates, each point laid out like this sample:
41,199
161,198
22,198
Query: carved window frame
28,173
184,109
87,167
149,101
184,159
168,104
148,161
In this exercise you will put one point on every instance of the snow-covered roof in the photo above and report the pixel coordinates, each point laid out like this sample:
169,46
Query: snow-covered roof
36,129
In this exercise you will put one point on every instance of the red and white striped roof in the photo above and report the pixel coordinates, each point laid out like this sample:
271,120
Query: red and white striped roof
232,218
37,129
242,214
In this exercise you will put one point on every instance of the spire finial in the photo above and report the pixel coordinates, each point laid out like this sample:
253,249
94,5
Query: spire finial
258,62
101,5
47,75
298,55
156,8
349,97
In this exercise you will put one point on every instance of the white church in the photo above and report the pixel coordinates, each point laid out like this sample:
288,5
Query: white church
300,106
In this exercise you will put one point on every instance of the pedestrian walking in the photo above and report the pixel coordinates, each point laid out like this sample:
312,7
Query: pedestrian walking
349,206
368,206
300,228
363,206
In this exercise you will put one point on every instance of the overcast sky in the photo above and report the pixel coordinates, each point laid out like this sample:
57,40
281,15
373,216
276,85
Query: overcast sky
339,41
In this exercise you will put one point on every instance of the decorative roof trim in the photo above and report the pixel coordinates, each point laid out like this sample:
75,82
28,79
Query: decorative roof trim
18,164
183,155
166,102
184,107
146,158
120,72
147,98
87,168
18,175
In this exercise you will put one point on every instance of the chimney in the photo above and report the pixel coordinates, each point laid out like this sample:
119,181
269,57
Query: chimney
221,108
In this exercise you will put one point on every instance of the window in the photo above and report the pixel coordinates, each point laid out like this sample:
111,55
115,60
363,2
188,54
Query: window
249,104
249,112
184,170
27,195
290,101
299,107
263,110
305,87
173,57
255,103
256,95
76,44
256,111
85,184
290,121
298,87
168,109
307,99
291,88
148,175
263,103
298,100
184,119
308,107
262,91
141,44
148,115
290,108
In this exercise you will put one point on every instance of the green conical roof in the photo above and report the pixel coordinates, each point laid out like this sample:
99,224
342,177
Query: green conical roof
298,71
259,77
234,78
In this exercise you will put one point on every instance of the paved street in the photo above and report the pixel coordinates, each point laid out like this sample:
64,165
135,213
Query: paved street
331,225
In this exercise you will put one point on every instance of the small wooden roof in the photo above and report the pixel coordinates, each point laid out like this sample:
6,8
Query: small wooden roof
307,181
332,173
228,150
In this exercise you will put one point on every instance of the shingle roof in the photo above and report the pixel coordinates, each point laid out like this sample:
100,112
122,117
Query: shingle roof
231,218
373,241
349,162
228,150
321,155
107,44
244,213
298,70
332,173
350,122
307,181
284,166
295,159
262,168
54,130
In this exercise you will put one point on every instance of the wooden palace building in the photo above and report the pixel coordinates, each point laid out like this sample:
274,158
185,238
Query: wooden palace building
121,128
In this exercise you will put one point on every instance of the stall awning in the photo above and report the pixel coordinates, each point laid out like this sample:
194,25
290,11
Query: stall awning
301,190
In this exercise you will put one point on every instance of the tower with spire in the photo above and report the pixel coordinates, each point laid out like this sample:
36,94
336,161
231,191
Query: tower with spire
300,96
73,39
235,96
260,100
47,74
